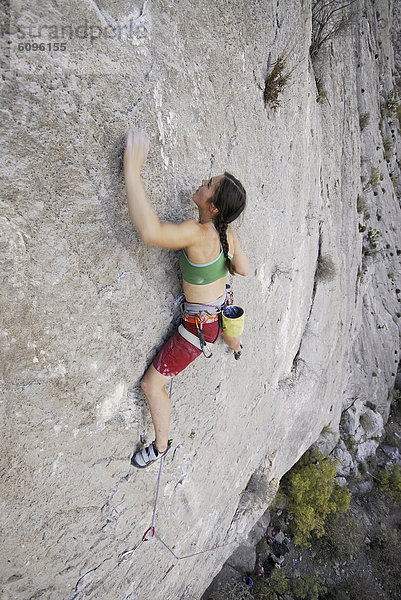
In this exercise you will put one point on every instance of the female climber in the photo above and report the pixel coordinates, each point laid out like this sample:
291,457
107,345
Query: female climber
209,250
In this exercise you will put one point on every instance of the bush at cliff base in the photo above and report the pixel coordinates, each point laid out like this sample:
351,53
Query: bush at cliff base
312,495
280,585
390,482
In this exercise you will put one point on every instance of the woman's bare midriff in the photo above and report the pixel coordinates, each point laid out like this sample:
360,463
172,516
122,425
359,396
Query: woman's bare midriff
202,294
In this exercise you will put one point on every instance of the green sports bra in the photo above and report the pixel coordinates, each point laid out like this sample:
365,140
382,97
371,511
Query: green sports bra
204,273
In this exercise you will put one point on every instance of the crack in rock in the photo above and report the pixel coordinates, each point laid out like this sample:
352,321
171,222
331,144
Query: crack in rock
319,253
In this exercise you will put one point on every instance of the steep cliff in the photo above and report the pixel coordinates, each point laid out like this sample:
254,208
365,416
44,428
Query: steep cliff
86,304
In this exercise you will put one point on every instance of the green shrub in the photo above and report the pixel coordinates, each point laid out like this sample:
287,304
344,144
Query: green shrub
373,236
344,537
308,587
279,581
385,552
279,585
390,482
232,591
357,588
262,589
313,495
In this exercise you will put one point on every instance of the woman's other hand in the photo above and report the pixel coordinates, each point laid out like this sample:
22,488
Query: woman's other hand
136,150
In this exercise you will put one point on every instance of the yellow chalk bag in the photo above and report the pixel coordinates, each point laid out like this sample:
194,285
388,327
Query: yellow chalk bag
233,320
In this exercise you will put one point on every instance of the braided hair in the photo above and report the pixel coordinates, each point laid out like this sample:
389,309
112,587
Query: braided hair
230,200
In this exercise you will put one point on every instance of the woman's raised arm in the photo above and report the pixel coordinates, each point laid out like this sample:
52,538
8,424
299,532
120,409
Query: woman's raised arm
240,261
141,212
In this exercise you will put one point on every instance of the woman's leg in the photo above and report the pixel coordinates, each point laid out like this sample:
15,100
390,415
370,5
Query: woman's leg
232,342
176,354
159,402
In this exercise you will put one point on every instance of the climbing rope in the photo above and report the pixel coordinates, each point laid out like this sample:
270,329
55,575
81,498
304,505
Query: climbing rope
150,533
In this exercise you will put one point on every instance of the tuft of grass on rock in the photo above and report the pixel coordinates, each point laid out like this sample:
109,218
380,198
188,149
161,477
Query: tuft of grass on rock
392,101
364,120
275,83
374,180
388,148
321,91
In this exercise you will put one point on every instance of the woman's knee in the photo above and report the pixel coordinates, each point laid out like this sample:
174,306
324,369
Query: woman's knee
146,384
153,381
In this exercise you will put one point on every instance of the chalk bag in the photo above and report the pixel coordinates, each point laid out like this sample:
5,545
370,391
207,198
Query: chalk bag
233,320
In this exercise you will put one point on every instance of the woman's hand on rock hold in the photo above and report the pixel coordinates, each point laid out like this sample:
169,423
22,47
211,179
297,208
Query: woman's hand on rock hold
136,150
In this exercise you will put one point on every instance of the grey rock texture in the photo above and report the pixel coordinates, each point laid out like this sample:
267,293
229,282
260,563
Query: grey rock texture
366,449
243,559
86,305
345,461
372,424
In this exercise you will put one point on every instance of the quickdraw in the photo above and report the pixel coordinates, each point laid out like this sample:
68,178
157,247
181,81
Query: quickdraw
207,353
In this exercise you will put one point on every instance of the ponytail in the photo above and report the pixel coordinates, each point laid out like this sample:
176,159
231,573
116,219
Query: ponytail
230,200
222,231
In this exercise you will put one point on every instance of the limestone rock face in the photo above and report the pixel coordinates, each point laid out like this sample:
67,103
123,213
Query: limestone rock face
351,418
345,461
86,305
366,449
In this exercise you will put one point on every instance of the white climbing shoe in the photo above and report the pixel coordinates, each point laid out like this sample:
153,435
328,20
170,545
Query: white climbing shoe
147,456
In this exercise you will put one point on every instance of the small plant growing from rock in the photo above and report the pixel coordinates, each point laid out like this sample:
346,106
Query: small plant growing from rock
350,443
361,207
275,82
327,430
364,120
329,18
313,495
388,148
374,180
394,179
321,92
373,236
326,269
392,101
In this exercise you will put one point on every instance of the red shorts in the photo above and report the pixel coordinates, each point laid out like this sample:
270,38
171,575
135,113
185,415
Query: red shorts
177,353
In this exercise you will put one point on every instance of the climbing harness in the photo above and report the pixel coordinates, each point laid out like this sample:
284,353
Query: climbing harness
200,314
231,320
151,533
